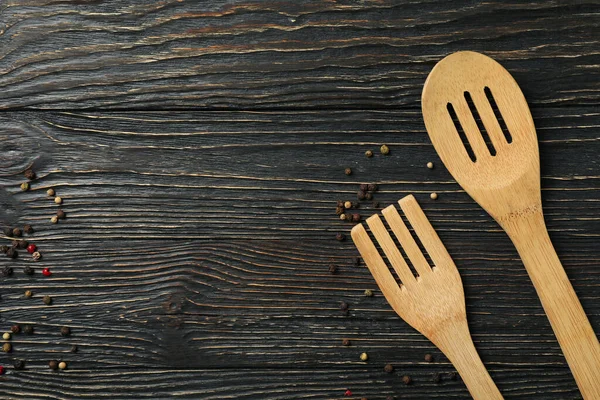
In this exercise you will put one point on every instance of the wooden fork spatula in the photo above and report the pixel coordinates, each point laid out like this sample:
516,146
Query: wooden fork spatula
434,302
504,178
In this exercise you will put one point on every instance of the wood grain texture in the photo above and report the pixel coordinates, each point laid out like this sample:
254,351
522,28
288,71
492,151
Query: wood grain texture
194,257
244,54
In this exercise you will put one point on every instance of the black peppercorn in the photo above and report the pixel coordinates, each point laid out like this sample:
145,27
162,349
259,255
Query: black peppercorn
368,196
16,328
376,204
346,342
12,253
340,237
348,171
332,269
19,364
372,187
22,244
28,329
60,214
47,300
8,231
7,271
389,368
74,348
340,203
437,377
17,232
360,195
28,270
65,331
428,357
29,174
28,229
15,244
339,210
407,380
355,217
356,261
344,306
53,364
364,187
4,248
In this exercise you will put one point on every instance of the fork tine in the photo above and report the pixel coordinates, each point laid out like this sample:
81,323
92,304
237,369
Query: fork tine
492,126
390,249
406,240
467,121
379,269
430,239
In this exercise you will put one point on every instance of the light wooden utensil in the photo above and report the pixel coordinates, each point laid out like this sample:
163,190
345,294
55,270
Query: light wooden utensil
434,302
504,178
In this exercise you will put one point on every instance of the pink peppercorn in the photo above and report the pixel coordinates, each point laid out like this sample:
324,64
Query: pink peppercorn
1,370
348,393
46,272
32,248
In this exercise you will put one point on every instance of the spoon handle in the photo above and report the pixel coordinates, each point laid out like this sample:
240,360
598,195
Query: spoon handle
569,322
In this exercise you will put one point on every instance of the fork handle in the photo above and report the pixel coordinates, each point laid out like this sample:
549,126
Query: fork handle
456,343
569,322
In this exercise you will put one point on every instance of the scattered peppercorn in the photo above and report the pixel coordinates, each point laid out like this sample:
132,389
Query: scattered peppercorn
389,368
65,331
7,271
28,294
368,196
4,248
355,217
14,244
428,357
28,329
6,336
372,187
12,253
437,377
407,380
29,174
22,244
453,376
36,256
433,196
343,217
8,231
74,348
369,293
361,195
364,357
1,370
369,153
46,272
348,393
348,204
53,364
7,347
346,342
25,186
60,214
332,269
54,219
364,187
348,171
17,232
16,328
28,229
344,306
376,204
62,365
50,192
19,364
58,200
356,261
430,165
340,237
32,248
339,210
385,150
47,300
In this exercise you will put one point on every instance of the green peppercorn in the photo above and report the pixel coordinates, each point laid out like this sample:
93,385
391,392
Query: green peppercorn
369,153
47,300
53,364
384,150
19,364
28,294
7,347
65,331
25,186
369,293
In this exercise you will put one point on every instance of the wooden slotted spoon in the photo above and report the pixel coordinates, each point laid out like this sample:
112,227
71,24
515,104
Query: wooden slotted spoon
504,179
434,302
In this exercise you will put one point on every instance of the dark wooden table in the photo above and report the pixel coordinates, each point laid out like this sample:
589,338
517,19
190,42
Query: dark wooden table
200,150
